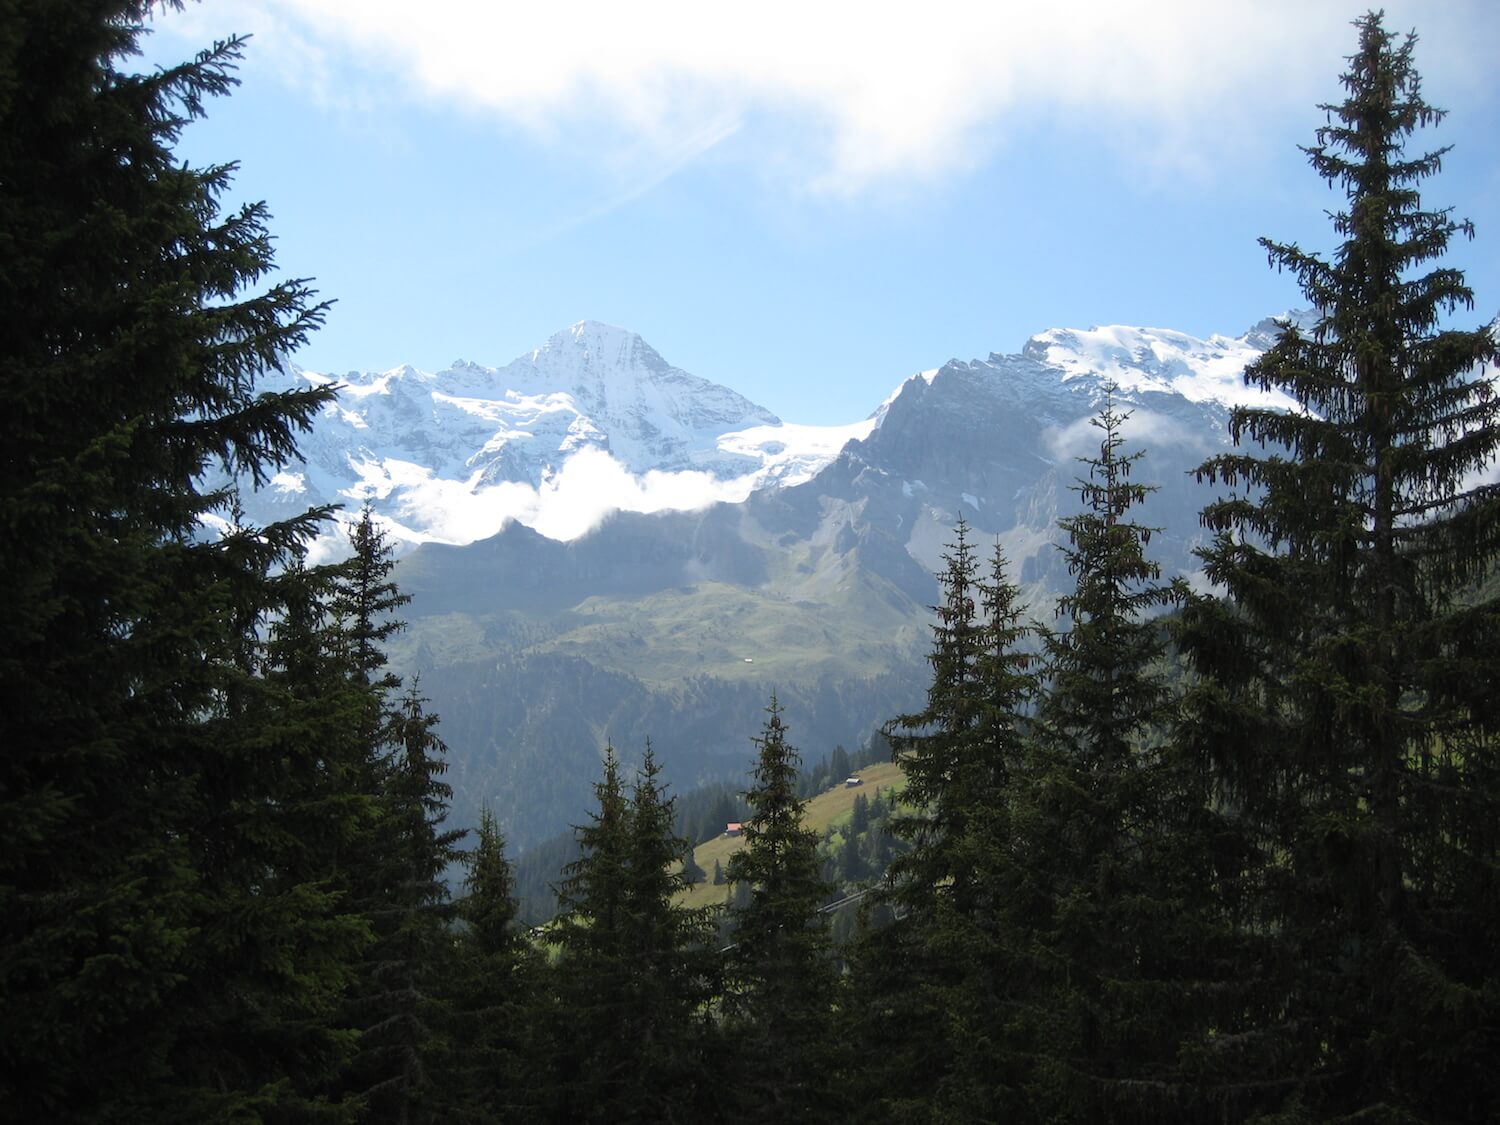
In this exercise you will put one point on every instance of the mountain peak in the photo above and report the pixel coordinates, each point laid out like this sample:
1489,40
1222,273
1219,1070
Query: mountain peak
587,330
616,375
592,343
592,420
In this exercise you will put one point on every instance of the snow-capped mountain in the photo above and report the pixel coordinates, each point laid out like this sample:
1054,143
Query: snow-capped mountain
1160,361
997,442
601,546
593,421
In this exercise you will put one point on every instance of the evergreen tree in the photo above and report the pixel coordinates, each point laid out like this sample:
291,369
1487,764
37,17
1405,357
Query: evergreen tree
1348,702
364,602
594,1060
488,907
367,600
838,765
780,998
494,1052
932,744
154,962
928,989
975,931
674,966
308,711
317,710
897,983
400,1001
635,967
390,763
859,814
1107,892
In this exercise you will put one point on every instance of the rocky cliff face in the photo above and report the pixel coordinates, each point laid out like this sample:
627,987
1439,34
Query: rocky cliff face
997,441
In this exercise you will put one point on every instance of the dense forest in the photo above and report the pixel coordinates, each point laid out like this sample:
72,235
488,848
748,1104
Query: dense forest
1175,856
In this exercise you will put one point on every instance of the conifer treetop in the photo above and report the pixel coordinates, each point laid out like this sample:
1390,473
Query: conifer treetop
1393,415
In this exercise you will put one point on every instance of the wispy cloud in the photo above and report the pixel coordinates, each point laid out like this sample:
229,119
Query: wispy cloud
660,167
1142,429
865,92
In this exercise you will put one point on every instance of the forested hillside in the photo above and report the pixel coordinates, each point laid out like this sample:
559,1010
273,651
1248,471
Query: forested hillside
1241,868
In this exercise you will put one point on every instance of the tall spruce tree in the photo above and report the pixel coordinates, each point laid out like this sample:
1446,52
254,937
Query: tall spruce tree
364,603
981,873
780,995
1108,893
151,968
932,744
676,969
306,712
897,986
367,600
928,989
594,1058
1348,699
392,759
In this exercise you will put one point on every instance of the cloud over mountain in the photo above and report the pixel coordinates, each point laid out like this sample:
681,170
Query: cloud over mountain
854,95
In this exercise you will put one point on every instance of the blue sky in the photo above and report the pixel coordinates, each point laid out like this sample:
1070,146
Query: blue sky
806,201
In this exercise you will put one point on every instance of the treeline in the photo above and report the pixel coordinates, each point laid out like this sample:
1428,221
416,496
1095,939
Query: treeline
1262,890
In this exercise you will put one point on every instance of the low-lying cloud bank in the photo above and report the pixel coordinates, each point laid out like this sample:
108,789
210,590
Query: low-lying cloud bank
415,506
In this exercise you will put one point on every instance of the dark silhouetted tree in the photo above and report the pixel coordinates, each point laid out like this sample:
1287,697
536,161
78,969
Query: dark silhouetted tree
1108,896
1348,700
157,960
927,988
401,998
780,993
636,968
495,1048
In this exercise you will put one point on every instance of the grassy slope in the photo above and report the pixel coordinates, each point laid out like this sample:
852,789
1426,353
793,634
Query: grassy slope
733,634
708,629
813,611
823,812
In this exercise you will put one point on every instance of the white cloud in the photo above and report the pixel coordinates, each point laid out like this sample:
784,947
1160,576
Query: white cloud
1142,430
590,486
864,92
